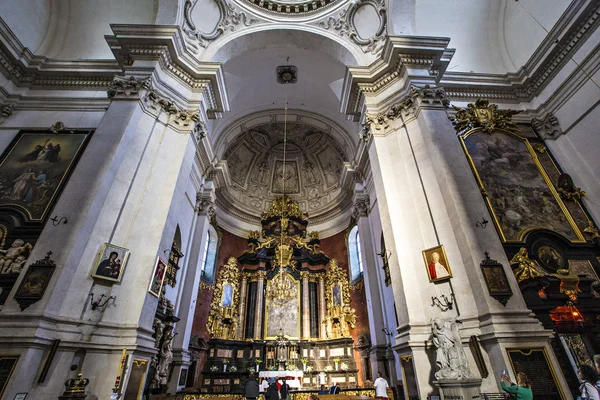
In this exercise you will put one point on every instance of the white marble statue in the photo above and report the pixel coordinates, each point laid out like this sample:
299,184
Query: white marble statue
450,358
13,258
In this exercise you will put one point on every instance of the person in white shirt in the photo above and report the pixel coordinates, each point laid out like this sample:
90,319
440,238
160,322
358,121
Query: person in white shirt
381,387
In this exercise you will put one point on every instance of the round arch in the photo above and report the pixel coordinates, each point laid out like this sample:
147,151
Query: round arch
303,37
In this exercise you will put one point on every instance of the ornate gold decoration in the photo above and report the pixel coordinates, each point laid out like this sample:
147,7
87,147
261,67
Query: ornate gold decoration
359,285
526,268
205,286
222,317
340,316
540,148
76,387
592,230
254,235
569,283
483,115
573,194
281,288
283,206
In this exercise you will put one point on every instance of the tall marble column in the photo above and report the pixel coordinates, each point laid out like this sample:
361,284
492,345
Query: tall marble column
191,273
322,310
241,313
372,276
260,304
305,306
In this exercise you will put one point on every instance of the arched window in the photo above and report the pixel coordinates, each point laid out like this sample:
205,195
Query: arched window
354,254
209,256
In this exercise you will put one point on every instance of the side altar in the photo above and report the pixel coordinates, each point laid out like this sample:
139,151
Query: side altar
282,305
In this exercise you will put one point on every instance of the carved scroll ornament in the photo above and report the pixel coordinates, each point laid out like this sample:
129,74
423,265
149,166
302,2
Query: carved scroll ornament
484,115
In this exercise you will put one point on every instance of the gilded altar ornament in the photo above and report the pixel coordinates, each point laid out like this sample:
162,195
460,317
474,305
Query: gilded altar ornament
75,387
340,317
222,317
592,230
283,206
567,189
526,268
483,115
569,283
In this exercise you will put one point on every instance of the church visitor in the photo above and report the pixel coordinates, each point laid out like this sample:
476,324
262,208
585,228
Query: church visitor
251,390
284,390
323,390
335,388
588,378
272,392
381,386
264,385
520,391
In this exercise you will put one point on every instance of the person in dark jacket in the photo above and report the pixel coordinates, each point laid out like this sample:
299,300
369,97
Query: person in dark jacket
335,389
284,390
272,393
251,390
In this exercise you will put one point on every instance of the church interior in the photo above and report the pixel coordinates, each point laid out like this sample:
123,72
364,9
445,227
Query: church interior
195,194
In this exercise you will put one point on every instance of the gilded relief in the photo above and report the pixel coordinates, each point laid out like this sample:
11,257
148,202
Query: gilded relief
516,187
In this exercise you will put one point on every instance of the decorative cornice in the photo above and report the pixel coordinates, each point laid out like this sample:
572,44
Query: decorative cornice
547,127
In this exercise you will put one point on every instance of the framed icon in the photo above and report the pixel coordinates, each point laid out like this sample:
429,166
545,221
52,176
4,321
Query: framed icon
158,277
111,263
436,264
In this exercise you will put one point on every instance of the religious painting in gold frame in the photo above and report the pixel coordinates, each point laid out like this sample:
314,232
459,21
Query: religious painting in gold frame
158,277
281,313
517,190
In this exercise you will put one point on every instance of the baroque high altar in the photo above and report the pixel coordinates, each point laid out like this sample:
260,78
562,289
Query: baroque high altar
282,305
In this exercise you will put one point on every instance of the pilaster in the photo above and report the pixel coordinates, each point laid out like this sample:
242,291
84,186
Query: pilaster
305,306
260,294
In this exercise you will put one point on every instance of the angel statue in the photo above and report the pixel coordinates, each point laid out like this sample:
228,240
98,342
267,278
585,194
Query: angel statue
450,358
526,268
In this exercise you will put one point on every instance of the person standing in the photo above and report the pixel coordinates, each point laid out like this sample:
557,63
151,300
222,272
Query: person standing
323,390
588,378
272,393
520,391
335,388
284,390
264,385
251,390
381,386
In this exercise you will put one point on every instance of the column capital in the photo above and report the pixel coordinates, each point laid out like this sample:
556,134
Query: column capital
406,109
547,127
361,207
205,204
304,275
127,87
261,275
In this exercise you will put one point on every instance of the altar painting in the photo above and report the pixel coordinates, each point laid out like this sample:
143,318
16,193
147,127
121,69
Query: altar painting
35,168
283,313
517,189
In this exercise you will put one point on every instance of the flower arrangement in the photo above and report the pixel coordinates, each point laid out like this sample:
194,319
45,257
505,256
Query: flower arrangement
291,367
309,368
233,368
328,368
225,362
344,366
304,360
336,360
258,361
214,368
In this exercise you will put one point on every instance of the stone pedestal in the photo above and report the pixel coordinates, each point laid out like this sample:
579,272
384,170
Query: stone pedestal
466,389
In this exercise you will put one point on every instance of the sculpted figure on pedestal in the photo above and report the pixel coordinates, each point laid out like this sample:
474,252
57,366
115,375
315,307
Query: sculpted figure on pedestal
165,358
450,356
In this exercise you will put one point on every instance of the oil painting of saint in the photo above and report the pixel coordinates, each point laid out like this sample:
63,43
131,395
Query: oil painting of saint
157,277
34,169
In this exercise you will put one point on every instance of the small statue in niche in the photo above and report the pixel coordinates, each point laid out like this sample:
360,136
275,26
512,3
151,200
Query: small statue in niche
158,331
9,256
526,269
450,358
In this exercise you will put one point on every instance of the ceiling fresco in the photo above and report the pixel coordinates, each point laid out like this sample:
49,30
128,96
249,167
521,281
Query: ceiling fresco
310,172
